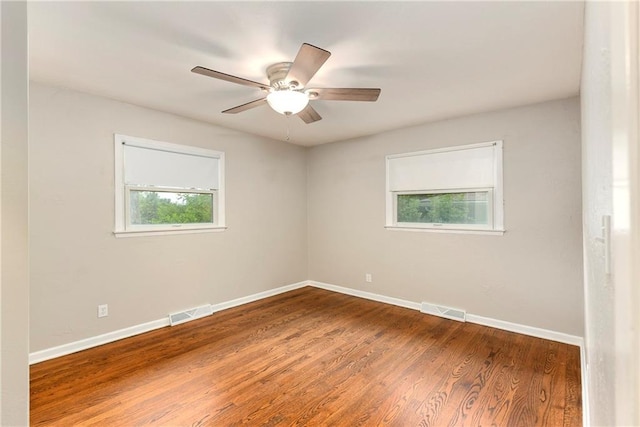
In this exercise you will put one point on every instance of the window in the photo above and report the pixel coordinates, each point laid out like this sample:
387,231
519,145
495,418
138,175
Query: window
163,187
452,189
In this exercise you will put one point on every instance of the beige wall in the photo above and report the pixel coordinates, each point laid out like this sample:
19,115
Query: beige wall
77,263
532,275
14,284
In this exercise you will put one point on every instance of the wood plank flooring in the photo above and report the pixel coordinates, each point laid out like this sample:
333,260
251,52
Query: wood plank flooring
316,358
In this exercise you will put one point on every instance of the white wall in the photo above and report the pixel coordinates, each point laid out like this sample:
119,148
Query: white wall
609,128
597,195
77,263
532,275
14,285
625,112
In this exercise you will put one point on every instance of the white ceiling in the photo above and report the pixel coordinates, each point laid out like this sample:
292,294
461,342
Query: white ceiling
433,60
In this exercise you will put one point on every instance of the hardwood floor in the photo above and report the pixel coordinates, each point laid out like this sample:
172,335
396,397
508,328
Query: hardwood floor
314,357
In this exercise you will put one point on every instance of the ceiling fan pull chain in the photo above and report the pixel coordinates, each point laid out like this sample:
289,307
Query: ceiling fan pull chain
287,116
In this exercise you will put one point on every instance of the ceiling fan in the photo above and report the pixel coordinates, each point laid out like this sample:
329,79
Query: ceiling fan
287,93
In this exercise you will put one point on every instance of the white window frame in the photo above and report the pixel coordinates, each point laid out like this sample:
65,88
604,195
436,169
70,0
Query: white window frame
496,203
123,226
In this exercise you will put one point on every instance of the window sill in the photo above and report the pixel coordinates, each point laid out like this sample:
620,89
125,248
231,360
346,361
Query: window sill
142,233
445,230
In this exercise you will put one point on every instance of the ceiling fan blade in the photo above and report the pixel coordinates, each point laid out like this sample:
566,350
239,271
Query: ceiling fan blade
228,77
344,94
309,115
247,106
307,63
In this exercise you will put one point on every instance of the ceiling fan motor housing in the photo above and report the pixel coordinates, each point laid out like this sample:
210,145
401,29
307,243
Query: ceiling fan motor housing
277,73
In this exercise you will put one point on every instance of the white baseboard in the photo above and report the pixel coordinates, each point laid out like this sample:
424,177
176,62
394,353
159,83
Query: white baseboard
73,347
525,330
366,295
471,318
255,297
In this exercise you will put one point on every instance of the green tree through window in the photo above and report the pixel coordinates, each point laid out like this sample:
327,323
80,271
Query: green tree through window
154,207
443,208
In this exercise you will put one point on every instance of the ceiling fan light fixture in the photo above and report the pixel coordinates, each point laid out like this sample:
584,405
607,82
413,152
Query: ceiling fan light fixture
287,101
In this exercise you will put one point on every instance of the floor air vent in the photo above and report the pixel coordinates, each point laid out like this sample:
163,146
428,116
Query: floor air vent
192,314
447,312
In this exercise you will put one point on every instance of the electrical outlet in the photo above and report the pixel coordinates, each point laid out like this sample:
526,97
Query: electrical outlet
367,278
103,310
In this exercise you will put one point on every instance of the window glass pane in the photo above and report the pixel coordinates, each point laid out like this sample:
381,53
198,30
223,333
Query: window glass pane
444,208
163,207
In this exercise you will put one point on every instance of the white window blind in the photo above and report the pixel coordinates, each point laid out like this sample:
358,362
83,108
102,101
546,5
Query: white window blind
163,168
443,170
